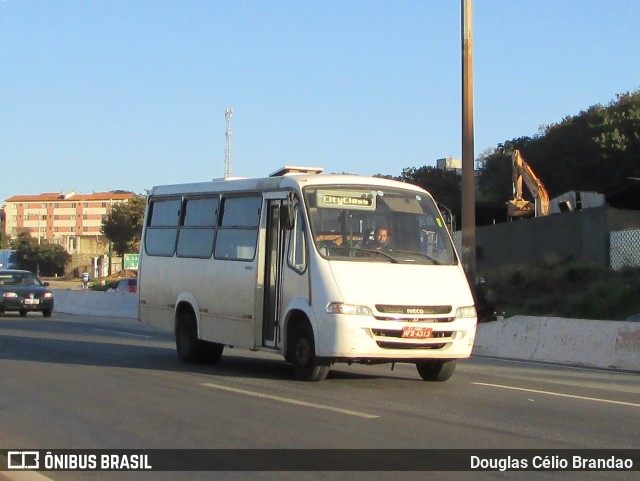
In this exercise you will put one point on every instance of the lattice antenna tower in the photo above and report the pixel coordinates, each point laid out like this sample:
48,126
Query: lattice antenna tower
227,150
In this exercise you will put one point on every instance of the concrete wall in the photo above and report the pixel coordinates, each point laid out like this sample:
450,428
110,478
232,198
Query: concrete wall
95,303
579,235
575,342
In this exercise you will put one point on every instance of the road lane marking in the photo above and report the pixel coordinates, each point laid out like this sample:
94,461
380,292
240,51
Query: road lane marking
551,393
112,331
291,401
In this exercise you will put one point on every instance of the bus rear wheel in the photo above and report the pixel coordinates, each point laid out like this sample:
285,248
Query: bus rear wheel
436,370
306,366
212,351
189,347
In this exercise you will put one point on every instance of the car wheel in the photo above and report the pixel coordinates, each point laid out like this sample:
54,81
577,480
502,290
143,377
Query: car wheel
23,313
436,370
306,366
47,312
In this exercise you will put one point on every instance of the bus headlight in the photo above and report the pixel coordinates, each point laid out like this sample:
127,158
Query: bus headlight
340,308
468,311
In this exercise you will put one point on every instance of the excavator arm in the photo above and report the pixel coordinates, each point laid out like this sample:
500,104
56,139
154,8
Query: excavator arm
522,173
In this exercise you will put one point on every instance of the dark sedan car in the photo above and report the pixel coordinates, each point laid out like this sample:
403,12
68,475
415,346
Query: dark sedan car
22,291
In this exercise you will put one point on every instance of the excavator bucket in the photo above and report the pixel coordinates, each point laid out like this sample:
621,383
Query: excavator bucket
520,208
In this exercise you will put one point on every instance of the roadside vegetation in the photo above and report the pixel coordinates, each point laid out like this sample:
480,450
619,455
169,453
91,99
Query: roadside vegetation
579,291
595,150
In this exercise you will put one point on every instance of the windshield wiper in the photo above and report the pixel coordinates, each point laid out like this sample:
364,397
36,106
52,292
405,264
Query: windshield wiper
414,253
373,251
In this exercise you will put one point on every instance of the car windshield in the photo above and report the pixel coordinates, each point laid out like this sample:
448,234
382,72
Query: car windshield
355,222
19,279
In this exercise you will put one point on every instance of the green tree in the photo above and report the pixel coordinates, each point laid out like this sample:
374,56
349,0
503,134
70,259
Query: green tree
591,151
4,239
45,258
53,258
123,225
444,185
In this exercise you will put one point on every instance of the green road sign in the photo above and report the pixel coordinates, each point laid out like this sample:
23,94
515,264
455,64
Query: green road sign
131,261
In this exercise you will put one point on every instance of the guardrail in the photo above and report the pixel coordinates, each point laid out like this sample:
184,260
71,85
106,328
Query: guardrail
574,342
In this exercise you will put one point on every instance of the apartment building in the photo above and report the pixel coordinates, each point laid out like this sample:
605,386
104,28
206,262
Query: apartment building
71,220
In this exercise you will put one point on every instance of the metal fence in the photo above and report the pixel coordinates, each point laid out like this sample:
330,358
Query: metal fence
624,250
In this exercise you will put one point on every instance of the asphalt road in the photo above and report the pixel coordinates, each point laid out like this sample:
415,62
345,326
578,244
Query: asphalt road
72,382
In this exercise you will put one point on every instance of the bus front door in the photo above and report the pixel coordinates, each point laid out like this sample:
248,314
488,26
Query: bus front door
274,254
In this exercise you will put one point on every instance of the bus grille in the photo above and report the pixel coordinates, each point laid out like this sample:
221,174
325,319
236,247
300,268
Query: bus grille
413,310
392,339
415,319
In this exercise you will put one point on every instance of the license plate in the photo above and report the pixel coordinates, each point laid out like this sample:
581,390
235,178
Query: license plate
32,301
416,332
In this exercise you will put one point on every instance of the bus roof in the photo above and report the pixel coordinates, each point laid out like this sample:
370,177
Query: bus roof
289,181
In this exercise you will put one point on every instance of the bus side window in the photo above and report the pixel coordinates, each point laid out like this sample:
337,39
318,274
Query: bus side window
195,238
238,228
297,258
162,228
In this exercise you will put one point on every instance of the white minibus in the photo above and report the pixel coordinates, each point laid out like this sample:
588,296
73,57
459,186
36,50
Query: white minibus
320,268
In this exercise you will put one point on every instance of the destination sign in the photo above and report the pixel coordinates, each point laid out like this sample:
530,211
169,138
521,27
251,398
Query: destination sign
342,199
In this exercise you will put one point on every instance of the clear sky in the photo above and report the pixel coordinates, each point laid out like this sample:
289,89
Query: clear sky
114,94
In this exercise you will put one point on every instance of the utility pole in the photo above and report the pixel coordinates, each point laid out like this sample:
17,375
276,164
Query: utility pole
227,151
468,177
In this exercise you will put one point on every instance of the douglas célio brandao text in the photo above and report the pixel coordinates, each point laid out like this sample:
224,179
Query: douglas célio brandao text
551,463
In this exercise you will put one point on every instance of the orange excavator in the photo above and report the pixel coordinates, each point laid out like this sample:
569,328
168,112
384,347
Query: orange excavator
519,207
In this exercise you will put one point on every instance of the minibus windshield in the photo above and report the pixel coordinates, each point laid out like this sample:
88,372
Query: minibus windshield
374,223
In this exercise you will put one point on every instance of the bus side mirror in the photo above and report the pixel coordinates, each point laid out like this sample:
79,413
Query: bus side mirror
287,216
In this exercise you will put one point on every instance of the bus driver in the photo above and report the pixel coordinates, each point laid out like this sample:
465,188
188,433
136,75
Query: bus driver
381,239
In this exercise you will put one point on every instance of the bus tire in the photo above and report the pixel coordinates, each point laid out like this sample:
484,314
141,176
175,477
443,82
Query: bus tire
306,366
436,370
212,351
190,349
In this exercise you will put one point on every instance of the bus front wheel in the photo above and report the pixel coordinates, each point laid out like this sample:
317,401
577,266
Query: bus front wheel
436,370
306,366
